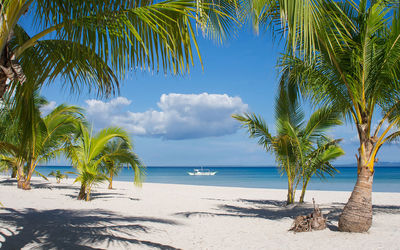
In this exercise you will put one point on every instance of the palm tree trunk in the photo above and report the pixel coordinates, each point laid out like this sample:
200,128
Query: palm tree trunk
357,214
88,194
20,182
21,175
3,84
9,68
14,172
3,76
303,191
26,185
290,195
82,192
110,180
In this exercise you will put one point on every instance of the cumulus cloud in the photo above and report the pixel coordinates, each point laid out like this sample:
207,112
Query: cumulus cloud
180,116
103,114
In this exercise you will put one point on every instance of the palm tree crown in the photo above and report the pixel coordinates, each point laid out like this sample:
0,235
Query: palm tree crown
301,148
87,155
119,153
97,42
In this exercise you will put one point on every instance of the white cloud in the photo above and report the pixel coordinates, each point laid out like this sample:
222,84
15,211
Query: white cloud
180,116
46,109
103,114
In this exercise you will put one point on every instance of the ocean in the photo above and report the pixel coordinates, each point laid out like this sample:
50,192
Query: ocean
386,179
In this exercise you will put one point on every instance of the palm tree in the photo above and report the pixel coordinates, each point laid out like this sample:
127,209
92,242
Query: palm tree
58,175
96,42
293,143
44,140
51,136
119,153
279,144
318,162
9,132
87,156
8,163
358,73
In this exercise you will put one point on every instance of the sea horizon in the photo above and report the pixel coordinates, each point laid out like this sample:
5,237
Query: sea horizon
377,164
386,179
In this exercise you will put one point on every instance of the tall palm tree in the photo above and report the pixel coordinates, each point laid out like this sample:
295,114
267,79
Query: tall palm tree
280,145
96,42
120,153
357,73
294,142
87,156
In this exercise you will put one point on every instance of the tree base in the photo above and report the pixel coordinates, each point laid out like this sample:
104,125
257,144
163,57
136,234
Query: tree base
82,193
357,214
355,219
24,184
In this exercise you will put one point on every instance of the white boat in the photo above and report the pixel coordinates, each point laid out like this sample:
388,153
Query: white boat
202,172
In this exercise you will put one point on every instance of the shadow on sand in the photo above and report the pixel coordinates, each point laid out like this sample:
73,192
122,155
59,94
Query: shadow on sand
100,195
35,184
74,229
38,184
8,182
276,210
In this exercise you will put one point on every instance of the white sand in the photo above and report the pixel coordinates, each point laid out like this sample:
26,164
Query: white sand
170,216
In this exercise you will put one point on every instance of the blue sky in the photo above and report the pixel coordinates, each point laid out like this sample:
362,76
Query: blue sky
185,120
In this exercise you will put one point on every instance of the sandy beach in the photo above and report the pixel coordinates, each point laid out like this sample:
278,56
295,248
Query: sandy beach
167,216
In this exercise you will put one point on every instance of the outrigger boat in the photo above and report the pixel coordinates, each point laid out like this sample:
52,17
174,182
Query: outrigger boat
202,172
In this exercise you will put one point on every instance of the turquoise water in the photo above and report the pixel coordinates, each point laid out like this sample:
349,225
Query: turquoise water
387,179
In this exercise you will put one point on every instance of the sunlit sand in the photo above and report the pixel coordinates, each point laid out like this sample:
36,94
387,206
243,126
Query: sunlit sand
171,216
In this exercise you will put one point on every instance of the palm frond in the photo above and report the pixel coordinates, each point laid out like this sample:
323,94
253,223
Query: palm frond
257,128
41,175
321,120
119,35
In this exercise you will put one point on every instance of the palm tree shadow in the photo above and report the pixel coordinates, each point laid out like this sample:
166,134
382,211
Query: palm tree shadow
276,210
376,209
387,209
39,184
277,203
52,186
99,195
73,229
265,209
8,182
268,212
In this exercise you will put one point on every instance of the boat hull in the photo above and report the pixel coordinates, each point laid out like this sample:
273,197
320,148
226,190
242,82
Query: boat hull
210,173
